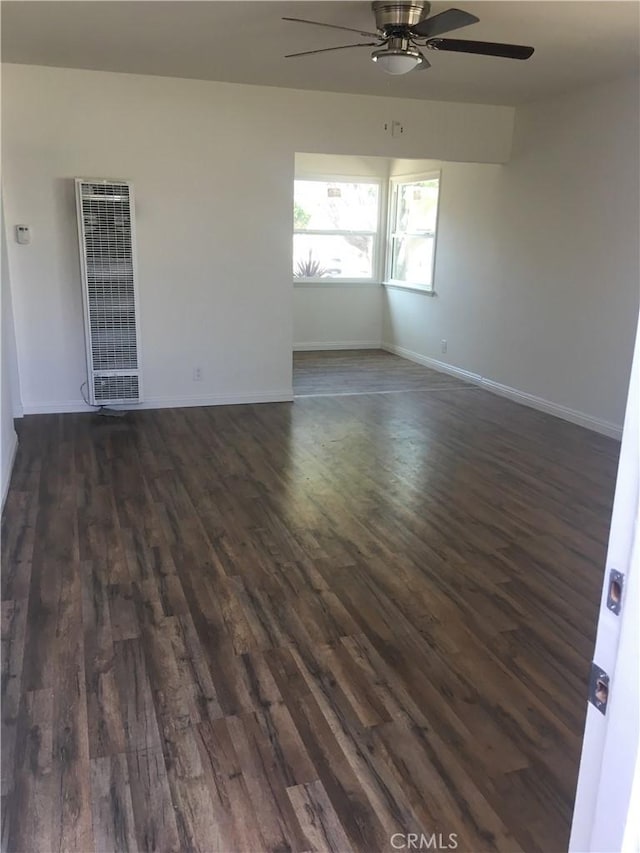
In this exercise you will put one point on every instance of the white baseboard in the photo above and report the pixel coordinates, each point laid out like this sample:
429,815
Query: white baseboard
531,400
56,407
218,400
327,345
559,411
7,468
440,366
68,406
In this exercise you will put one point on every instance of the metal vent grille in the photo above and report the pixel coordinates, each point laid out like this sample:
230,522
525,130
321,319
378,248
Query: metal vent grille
104,188
118,388
107,252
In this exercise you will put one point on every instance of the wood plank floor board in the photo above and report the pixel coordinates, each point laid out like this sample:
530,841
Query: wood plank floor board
112,808
301,628
236,816
356,813
104,716
153,810
318,818
30,813
14,625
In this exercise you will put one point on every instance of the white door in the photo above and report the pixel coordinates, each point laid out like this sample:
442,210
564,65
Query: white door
607,810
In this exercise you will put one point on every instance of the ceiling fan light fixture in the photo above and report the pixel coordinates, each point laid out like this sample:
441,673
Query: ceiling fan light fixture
396,61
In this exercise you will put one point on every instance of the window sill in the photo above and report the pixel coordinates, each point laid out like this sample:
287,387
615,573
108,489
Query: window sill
335,282
410,287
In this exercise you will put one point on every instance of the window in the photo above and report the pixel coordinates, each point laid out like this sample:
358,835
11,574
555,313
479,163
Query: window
412,231
335,229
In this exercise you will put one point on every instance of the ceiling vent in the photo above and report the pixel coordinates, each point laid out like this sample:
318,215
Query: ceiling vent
106,231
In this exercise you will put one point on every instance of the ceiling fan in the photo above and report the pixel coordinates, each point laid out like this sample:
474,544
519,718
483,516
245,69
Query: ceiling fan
403,27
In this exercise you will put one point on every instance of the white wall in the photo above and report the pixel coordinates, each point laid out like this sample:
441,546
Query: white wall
8,437
469,252
213,168
335,315
537,261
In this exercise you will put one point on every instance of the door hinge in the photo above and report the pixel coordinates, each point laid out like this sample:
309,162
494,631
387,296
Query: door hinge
614,594
598,688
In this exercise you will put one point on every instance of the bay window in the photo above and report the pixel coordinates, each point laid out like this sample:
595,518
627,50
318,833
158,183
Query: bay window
335,230
413,218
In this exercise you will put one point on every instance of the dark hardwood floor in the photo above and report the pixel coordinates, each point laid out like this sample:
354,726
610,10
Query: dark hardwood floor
299,627
362,371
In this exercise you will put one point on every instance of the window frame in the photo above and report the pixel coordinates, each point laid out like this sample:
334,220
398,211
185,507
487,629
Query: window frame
378,243
392,233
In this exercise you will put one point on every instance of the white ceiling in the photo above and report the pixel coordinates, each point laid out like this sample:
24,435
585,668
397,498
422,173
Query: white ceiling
577,43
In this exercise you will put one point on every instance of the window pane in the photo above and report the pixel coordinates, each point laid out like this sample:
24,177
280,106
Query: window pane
417,207
329,205
329,256
412,260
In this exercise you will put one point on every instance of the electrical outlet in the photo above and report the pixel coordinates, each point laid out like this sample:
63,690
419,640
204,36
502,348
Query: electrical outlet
395,128
197,374
443,345
23,235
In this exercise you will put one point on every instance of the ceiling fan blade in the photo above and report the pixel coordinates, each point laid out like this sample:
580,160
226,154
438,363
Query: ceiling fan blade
424,64
452,19
485,48
332,27
340,47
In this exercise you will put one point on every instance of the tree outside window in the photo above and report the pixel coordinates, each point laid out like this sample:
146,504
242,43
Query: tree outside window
335,229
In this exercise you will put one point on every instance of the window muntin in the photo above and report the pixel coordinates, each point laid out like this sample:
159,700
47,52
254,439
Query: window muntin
412,231
335,229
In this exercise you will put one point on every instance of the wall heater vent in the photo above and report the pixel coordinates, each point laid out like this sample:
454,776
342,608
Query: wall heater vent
106,231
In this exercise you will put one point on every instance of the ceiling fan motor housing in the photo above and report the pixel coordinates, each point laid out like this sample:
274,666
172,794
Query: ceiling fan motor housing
394,17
